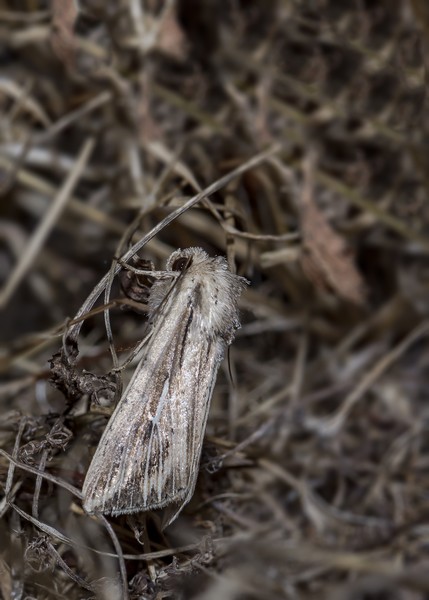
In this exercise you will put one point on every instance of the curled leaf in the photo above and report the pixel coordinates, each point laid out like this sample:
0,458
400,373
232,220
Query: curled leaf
64,15
326,259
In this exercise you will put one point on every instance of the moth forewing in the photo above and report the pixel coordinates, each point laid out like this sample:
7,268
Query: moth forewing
149,453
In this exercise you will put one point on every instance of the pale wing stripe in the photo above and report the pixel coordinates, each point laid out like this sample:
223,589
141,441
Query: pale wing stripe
164,396
154,421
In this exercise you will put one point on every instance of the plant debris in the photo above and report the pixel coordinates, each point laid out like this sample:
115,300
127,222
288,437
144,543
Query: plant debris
292,138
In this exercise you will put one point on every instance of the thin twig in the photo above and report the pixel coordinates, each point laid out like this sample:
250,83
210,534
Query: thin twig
46,225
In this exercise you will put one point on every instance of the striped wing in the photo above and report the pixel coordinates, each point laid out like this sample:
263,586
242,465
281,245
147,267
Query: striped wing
149,453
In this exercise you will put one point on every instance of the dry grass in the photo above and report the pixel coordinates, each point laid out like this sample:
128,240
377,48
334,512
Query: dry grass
307,123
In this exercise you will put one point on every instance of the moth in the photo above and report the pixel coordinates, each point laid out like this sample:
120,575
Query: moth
149,453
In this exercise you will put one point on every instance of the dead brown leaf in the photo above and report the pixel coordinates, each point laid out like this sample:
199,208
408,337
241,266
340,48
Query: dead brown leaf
64,15
326,259
171,38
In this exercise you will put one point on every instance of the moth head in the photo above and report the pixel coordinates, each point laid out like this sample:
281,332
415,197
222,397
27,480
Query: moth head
205,284
181,260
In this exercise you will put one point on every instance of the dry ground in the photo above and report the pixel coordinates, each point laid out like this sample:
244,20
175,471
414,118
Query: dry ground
314,479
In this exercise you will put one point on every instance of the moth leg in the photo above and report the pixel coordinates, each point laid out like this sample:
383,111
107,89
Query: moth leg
135,282
137,279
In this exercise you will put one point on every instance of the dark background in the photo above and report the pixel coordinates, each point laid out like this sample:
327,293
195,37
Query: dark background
314,478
